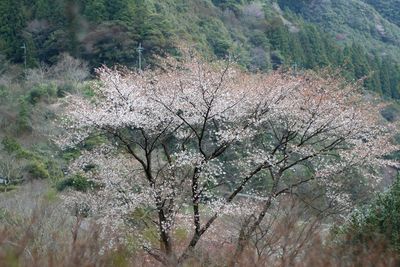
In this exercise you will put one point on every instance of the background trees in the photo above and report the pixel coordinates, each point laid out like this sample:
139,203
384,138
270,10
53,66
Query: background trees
12,24
258,33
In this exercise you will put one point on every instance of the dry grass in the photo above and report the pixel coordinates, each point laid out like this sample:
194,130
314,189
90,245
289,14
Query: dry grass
35,230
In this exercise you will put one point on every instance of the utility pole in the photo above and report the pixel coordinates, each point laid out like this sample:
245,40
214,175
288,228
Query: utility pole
24,48
140,51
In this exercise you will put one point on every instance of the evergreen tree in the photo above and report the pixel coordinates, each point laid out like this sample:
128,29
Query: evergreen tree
297,55
373,81
316,53
359,61
121,10
385,78
394,80
12,22
347,62
42,10
278,36
96,10
73,26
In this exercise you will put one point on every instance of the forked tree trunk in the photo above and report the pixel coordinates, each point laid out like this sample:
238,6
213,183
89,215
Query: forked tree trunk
250,226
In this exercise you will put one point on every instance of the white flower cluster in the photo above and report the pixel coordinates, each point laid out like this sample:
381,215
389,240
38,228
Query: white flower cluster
190,127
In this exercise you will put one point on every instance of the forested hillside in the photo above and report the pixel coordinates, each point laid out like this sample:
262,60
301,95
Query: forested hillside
389,9
350,35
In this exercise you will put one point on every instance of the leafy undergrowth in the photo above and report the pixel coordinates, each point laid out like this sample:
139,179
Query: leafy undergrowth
77,182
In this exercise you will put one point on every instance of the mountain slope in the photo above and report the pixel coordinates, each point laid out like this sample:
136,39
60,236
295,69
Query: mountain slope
352,21
351,35
389,9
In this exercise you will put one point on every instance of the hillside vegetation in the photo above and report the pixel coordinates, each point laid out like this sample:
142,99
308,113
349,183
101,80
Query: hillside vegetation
389,9
350,35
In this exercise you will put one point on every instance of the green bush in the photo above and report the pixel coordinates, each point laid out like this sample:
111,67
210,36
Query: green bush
64,89
93,142
89,167
40,92
88,89
71,154
38,169
379,221
39,163
54,169
391,113
77,182
11,145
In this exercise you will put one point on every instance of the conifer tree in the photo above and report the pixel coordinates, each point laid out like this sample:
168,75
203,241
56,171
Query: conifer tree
96,10
12,22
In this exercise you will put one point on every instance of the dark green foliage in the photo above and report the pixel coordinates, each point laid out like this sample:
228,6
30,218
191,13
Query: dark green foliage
109,32
216,36
38,170
23,124
96,10
391,113
110,43
11,145
88,91
77,182
89,167
64,89
3,94
41,92
378,221
120,10
310,48
93,141
296,5
370,43
71,154
233,5
390,9
12,23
